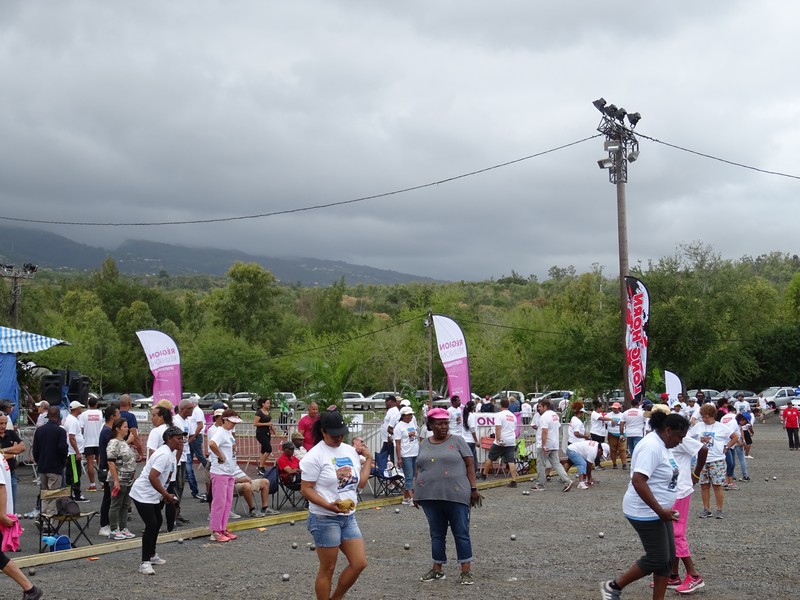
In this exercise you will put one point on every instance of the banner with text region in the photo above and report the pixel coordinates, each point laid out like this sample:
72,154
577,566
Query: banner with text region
165,365
453,352
636,340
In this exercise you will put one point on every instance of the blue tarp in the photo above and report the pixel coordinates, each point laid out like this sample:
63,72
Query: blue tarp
13,341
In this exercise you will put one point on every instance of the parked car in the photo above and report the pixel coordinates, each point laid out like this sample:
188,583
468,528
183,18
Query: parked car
423,395
291,399
778,396
507,394
209,399
712,395
445,402
749,396
378,400
190,396
354,400
556,396
243,400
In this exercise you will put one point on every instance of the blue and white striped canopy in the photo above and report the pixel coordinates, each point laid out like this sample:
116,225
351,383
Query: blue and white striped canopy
14,340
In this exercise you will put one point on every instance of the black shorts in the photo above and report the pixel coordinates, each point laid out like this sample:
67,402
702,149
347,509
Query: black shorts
4,560
91,451
266,443
506,452
748,439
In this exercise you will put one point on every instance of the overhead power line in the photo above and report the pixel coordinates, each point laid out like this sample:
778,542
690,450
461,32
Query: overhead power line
302,209
717,158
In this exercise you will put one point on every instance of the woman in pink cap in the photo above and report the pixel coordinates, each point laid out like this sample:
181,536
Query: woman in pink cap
445,488
223,468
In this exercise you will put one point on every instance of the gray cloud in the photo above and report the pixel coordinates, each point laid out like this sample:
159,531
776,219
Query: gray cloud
190,110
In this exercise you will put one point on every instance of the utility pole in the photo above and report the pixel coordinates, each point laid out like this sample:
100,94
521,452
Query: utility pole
16,276
622,147
428,322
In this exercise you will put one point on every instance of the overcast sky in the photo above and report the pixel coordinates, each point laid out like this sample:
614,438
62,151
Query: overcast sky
162,111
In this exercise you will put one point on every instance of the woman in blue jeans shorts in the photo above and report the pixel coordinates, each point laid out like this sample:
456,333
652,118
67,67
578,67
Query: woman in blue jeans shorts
406,442
445,488
331,473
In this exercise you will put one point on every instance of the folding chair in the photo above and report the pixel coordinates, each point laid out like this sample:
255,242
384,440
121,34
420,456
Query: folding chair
385,481
525,458
290,493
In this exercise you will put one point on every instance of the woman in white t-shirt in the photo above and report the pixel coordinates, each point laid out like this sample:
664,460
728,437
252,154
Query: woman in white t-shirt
149,494
223,468
648,504
406,441
331,475
469,430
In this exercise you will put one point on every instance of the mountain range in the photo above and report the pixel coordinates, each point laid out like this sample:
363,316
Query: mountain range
137,257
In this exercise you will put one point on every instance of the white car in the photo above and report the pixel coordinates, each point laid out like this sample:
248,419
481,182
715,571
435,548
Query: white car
779,396
378,400
354,400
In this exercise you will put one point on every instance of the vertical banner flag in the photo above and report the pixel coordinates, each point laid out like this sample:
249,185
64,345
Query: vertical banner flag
165,364
453,352
637,326
673,385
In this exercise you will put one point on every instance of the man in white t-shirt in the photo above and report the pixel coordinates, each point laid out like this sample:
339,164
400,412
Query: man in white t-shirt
527,413
548,439
455,413
75,446
633,422
505,443
92,423
741,405
692,411
390,419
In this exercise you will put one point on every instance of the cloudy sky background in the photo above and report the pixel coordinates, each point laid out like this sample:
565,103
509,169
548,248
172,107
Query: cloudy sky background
161,111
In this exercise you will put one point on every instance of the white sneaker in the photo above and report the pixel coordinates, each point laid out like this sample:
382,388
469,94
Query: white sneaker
117,535
582,486
146,569
105,531
127,533
157,560
233,515
747,456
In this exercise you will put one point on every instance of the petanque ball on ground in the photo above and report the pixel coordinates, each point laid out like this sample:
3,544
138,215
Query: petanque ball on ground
601,535
291,522
513,537
396,510
285,577
180,540
766,478
774,477
407,546
312,547
31,571
294,545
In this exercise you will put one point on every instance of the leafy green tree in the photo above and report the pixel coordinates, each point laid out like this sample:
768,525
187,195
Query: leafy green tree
221,361
247,306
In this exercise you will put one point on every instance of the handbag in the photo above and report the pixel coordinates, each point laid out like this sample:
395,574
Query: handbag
486,442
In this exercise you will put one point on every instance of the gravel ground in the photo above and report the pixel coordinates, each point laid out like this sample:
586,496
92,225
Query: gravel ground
557,552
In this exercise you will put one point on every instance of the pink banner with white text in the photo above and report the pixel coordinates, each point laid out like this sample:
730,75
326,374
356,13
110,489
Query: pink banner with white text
453,352
165,365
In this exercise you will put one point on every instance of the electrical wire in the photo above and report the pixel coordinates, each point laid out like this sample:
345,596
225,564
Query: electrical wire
712,157
305,208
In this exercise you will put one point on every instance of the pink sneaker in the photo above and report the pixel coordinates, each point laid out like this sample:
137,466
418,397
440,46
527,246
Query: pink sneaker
672,583
690,584
219,536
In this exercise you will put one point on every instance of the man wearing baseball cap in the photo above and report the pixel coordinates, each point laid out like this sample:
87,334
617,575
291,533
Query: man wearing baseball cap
74,450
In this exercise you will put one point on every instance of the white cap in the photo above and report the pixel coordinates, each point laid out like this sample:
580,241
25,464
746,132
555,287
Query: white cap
405,402
75,404
406,410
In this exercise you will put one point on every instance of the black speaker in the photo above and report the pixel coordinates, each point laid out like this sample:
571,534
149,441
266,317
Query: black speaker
51,389
78,388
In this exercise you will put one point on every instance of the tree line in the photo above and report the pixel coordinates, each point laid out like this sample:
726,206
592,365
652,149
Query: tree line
715,322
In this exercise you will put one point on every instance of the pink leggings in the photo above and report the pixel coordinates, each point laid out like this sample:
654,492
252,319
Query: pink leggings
221,501
679,526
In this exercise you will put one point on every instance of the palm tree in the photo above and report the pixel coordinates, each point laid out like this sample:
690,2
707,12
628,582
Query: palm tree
326,380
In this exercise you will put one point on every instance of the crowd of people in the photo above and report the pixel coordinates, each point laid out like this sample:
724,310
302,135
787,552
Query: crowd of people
671,446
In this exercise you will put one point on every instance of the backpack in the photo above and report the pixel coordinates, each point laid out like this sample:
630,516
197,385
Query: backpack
67,506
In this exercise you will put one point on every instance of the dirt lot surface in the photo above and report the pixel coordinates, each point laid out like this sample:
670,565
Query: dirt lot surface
557,552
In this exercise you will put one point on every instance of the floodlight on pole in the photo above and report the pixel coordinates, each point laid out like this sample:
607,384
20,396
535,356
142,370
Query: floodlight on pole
622,147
